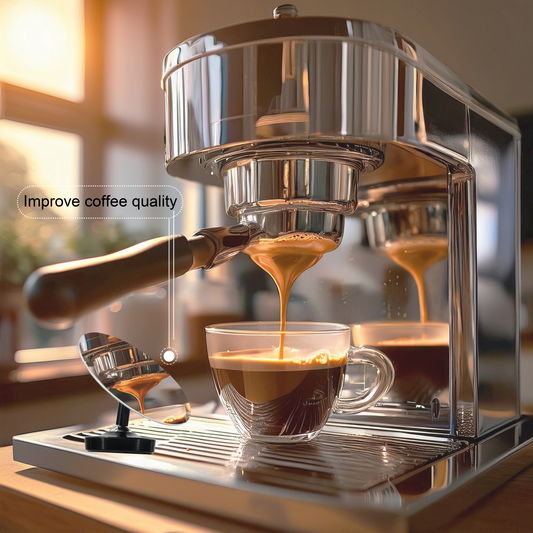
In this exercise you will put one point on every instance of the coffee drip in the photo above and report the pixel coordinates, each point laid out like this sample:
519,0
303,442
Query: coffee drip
138,386
416,255
285,258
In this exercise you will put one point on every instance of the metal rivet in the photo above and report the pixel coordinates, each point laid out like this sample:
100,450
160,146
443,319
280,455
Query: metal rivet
285,11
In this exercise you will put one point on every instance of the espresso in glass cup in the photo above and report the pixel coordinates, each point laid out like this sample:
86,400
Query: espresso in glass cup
419,352
286,394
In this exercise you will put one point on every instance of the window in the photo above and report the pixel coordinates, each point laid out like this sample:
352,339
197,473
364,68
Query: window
50,158
82,104
68,91
42,46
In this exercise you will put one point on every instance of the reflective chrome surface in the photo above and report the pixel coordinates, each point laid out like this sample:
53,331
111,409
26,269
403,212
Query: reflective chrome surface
412,218
306,184
313,79
116,364
276,223
277,196
494,155
229,241
275,92
311,117
463,303
350,479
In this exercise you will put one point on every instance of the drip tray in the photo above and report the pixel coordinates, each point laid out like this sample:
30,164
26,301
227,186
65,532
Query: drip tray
332,464
347,478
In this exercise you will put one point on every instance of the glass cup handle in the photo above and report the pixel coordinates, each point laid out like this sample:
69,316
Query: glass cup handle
367,355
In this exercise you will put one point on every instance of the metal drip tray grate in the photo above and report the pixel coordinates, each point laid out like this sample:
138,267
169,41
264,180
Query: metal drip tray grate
348,479
331,464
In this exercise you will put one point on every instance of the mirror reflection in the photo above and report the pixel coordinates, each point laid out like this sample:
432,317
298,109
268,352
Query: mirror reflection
133,378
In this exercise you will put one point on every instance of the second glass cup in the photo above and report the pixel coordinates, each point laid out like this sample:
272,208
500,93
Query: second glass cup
286,394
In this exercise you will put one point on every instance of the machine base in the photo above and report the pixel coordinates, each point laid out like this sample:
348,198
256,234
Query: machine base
348,478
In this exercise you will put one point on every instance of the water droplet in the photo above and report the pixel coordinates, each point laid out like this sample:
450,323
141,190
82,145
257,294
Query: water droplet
397,276
397,283
405,315
390,280
384,284
405,290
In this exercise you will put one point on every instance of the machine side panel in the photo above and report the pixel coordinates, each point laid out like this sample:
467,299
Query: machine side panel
493,155
462,304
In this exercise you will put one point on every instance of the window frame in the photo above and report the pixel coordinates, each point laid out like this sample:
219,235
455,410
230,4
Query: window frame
86,118
82,118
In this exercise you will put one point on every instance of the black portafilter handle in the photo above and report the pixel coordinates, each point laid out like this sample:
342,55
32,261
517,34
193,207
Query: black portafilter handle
58,295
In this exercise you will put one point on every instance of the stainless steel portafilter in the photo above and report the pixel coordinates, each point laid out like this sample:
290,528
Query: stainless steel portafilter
409,221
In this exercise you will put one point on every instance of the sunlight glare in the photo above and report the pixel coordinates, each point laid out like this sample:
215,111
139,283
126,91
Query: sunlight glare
42,46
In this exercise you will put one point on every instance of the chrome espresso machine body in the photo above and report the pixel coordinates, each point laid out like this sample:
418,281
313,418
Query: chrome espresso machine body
305,121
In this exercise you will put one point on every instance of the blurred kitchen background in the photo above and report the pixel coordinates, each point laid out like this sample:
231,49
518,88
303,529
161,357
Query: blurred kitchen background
81,104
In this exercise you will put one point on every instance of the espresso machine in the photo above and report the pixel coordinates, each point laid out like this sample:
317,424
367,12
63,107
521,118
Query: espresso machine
305,121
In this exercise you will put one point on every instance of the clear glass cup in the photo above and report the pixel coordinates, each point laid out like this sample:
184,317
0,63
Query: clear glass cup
420,354
286,395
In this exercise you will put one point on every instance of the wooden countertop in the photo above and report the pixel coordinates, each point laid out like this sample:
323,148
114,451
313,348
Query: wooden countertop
39,501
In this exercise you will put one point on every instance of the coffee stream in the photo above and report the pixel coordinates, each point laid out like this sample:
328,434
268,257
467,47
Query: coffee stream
416,256
421,364
285,258
138,386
